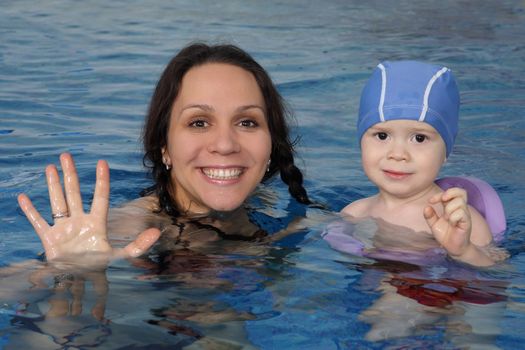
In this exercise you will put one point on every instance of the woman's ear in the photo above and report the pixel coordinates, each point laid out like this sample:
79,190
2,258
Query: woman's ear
166,158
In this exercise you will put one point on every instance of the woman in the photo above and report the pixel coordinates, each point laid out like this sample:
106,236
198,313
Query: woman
215,129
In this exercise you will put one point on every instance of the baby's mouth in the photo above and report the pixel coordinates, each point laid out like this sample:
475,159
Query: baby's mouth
396,174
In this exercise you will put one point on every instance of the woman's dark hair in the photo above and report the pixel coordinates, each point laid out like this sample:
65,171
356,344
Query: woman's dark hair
157,120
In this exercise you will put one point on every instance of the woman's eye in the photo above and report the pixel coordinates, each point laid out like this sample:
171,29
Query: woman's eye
248,123
198,123
420,138
382,135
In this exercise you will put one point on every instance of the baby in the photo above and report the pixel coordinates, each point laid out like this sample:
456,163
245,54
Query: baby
408,121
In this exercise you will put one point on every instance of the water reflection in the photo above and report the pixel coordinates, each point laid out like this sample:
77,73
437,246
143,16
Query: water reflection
413,301
228,293
181,290
419,291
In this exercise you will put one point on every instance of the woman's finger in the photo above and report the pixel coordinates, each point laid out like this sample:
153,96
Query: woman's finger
59,302
101,197
77,290
71,185
58,307
99,282
56,195
38,277
142,243
39,224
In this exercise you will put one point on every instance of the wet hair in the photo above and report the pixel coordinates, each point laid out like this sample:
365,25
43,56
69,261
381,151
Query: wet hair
155,133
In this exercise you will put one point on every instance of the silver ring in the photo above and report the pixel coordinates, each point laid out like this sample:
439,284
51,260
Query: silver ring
60,215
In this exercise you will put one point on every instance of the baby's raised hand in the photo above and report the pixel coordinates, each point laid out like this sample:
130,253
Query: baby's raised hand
452,229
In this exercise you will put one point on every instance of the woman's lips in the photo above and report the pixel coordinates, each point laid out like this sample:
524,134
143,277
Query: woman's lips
223,174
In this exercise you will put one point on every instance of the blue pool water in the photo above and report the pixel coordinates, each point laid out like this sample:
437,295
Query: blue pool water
77,76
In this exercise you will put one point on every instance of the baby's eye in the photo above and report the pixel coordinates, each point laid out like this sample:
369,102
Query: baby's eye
199,123
420,138
382,135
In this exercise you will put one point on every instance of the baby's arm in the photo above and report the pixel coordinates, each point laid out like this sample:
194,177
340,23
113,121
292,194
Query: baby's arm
453,229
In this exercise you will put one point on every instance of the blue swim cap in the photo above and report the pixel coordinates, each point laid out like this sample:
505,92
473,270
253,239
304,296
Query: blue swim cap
411,90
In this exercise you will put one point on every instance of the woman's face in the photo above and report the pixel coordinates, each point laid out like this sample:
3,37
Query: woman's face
219,144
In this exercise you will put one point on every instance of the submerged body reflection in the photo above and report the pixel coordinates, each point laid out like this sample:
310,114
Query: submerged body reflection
190,276
422,292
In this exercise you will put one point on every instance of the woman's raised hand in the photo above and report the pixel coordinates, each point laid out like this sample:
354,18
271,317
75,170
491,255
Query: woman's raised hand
76,233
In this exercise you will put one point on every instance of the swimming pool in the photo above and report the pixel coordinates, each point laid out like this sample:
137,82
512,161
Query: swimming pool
76,76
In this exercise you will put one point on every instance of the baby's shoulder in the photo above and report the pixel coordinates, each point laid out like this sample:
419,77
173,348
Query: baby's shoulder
359,208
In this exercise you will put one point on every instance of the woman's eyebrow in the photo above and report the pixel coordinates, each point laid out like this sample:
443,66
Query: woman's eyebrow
208,108
247,107
204,107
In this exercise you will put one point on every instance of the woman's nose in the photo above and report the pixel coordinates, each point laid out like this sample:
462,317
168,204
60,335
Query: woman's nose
224,140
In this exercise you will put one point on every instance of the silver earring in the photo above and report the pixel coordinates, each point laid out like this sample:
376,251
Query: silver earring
168,167
268,165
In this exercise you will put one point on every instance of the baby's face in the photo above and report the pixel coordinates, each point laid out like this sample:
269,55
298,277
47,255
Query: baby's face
402,157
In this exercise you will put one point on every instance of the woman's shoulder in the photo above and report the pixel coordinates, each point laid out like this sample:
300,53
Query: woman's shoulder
135,216
137,208
147,203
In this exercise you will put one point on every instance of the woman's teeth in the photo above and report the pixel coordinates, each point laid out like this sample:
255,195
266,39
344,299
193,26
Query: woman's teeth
222,174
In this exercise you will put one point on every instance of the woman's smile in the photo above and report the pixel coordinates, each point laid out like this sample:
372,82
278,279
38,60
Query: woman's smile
223,174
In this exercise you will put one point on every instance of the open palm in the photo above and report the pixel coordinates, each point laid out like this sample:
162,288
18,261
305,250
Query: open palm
76,233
